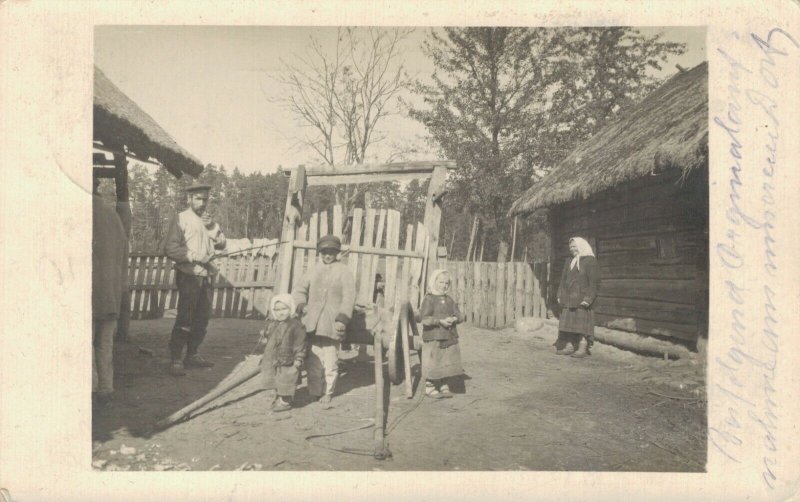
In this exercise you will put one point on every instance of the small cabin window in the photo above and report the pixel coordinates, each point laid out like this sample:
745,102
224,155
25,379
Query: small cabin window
665,245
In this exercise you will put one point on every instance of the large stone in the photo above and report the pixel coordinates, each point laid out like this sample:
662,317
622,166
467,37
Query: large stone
528,324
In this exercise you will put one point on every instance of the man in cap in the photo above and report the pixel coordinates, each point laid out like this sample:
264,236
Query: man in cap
190,242
325,298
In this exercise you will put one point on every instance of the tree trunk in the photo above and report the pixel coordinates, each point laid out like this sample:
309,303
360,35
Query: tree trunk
502,252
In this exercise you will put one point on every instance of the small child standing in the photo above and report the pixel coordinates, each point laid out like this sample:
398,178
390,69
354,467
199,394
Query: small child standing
441,356
284,352
325,297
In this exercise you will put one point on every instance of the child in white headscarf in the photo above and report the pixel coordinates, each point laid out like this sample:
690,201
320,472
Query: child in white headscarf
285,350
441,356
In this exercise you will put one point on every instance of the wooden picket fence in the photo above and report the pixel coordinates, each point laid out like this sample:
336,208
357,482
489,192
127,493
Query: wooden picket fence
493,295
242,287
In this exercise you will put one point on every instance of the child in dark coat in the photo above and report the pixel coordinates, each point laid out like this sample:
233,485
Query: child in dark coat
441,356
285,350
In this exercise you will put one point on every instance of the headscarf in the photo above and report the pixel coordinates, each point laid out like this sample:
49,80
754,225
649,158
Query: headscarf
285,299
432,289
584,249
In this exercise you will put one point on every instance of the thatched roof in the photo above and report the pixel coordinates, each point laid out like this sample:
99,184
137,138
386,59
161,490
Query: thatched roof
668,129
118,120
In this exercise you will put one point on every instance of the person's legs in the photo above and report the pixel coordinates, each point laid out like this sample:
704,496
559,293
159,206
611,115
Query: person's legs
315,370
330,361
104,356
187,297
199,323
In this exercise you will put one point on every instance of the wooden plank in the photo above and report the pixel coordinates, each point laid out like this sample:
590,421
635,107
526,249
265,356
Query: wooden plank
173,297
678,291
641,257
363,294
461,292
647,271
138,281
680,331
537,276
294,203
364,250
418,286
469,296
433,214
478,294
147,297
298,269
166,287
323,223
500,293
355,241
355,179
313,236
647,310
405,271
374,260
388,168
155,296
392,243
235,293
337,221
626,244
511,297
519,289
218,296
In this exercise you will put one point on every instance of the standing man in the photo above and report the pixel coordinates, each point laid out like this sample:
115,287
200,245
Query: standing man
109,282
191,239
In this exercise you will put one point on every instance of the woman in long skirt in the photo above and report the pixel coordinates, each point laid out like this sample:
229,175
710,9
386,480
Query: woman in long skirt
576,295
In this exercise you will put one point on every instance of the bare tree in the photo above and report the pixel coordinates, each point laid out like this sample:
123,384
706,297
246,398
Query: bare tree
342,93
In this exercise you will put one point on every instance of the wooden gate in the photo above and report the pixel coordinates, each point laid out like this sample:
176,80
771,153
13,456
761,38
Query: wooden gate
374,247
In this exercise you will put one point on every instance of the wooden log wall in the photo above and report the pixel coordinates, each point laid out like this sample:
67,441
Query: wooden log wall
494,295
651,241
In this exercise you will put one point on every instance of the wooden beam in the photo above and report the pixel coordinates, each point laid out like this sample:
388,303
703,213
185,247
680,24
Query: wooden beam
396,167
433,214
363,250
294,204
353,179
104,172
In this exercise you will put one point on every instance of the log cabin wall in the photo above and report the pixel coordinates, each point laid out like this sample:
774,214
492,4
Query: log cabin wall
650,237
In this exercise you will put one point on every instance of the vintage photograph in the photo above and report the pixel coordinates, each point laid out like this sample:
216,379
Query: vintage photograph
412,248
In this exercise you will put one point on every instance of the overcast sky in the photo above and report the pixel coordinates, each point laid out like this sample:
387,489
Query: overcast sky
212,87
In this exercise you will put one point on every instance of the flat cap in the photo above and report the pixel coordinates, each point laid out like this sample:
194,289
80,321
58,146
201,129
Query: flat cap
198,187
329,242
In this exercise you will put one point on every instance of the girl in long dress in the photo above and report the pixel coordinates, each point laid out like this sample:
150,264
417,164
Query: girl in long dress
441,356
285,350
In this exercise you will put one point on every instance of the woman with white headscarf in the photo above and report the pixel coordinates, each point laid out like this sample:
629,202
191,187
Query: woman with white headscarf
576,295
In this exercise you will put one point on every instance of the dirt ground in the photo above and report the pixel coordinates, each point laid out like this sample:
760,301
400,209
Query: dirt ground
524,408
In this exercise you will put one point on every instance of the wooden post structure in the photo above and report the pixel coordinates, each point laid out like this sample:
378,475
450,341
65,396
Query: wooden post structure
433,215
514,240
121,182
291,217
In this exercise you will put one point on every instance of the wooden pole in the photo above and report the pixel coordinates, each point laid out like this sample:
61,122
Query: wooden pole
292,211
483,242
433,214
215,393
513,240
470,250
381,452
